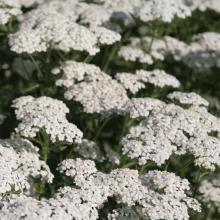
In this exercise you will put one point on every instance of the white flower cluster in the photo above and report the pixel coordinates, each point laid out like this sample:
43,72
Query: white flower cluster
203,5
93,14
202,52
148,48
104,96
67,204
173,202
19,164
94,89
54,24
93,188
168,129
141,107
8,8
164,10
210,191
131,82
45,113
207,4
188,98
98,14
75,72
131,53
146,10
137,81
129,188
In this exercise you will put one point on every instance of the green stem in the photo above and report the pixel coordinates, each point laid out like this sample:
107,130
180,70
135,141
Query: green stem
45,147
101,127
40,74
198,179
110,57
88,59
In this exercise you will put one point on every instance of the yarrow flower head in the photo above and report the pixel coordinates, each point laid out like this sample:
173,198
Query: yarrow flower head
75,72
138,81
168,129
104,96
208,4
147,49
204,51
210,191
142,107
131,53
164,10
190,98
45,113
8,8
130,188
94,89
67,204
19,164
53,24
93,188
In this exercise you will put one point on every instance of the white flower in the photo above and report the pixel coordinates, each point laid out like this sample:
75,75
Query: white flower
104,35
104,96
78,167
204,51
167,198
121,5
138,81
141,107
9,8
190,98
145,144
170,129
130,82
134,54
94,14
164,10
53,24
67,204
208,4
76,72
145,49
45,113
210,191
157,194
208,41
94,89
130,189
158,78
19,163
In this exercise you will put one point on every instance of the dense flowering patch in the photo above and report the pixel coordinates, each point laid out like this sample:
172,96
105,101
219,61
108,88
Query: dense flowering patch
109,109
